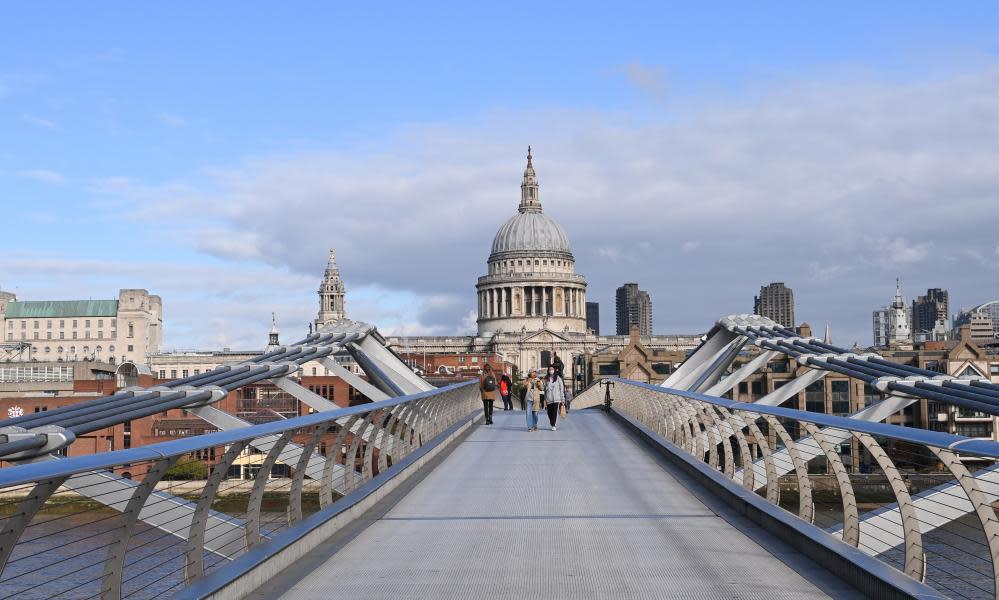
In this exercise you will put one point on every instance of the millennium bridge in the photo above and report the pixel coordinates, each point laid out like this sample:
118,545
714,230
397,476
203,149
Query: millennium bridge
645,491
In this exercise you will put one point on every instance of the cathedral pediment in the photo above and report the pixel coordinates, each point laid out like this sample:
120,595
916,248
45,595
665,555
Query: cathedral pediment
546,336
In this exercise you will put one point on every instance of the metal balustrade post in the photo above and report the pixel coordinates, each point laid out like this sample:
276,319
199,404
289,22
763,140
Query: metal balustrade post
26,510
326,488
298,479
388,439
194,567
710,434
367,469
806,509
350,459
729,467
114,564
259,487
915,560
745,453
773,486
983,509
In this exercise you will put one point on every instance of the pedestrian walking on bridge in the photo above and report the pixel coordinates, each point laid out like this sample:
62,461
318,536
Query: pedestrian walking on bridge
554,395
488,385
532,397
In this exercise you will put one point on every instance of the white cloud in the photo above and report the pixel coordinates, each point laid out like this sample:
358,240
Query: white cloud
649,79
38,121
42,175
833,187
171,119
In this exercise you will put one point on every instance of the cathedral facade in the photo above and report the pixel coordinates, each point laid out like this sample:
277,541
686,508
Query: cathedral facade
531,303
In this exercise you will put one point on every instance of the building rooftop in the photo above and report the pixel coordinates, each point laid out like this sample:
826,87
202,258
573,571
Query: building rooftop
61,308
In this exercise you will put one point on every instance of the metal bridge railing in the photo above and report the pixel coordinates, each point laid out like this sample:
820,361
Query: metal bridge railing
921,501
145,522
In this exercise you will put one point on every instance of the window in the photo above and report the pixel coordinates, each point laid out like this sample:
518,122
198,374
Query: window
994,368
47,349
475,359
974,429
815,397
98,349
48,324
36,324
131,348
48,335
62,323
970,372
86,323
743,388
72,349
86,334
86,349
74,335
59,349
173,375
100,322
62,335
840,397
461,360
313,370
100,334
114,323
74,323
111,349
757,387
183,373
24,324
162,373
131,330
36,335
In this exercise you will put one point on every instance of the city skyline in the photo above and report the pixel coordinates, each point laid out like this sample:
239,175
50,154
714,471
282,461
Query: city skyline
223,194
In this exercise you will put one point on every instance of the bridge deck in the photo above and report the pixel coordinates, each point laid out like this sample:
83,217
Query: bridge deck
584,512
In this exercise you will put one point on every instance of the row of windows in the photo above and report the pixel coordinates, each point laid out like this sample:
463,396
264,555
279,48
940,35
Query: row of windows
62,335
72,349
173,373
537,262
75,322
36,373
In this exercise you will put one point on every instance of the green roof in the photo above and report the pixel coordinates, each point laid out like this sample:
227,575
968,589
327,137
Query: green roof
62,308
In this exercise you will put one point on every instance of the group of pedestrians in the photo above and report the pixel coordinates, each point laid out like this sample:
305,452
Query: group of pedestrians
537,393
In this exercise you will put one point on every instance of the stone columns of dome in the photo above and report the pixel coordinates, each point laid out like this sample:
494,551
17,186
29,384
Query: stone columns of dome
544,300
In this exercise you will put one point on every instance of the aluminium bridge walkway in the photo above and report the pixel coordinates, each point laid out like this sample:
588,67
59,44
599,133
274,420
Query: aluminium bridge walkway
588,511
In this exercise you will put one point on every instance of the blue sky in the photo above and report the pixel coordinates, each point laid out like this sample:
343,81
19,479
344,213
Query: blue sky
212,153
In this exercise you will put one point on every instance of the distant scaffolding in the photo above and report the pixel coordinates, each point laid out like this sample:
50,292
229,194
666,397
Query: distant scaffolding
12,351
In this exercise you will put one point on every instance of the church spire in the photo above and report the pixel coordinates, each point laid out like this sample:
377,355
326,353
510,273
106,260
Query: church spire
331,294
529,198
272,338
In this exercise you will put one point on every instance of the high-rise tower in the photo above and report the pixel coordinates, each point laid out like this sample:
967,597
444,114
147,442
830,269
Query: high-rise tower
331,295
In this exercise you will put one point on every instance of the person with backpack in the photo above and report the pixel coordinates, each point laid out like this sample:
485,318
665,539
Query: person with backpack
488,386
506,391
554,395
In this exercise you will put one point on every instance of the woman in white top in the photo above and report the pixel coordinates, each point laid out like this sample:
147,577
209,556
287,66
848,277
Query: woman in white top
554,395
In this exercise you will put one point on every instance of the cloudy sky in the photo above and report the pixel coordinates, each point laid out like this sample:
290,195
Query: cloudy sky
212,154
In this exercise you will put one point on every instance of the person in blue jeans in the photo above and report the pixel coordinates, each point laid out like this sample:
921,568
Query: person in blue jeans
532,397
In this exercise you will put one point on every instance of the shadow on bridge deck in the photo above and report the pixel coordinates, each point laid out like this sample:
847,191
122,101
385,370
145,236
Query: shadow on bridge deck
583,512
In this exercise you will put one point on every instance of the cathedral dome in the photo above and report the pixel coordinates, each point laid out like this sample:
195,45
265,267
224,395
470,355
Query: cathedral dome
531,231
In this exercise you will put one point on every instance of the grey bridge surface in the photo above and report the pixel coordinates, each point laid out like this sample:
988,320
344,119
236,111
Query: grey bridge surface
587,511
